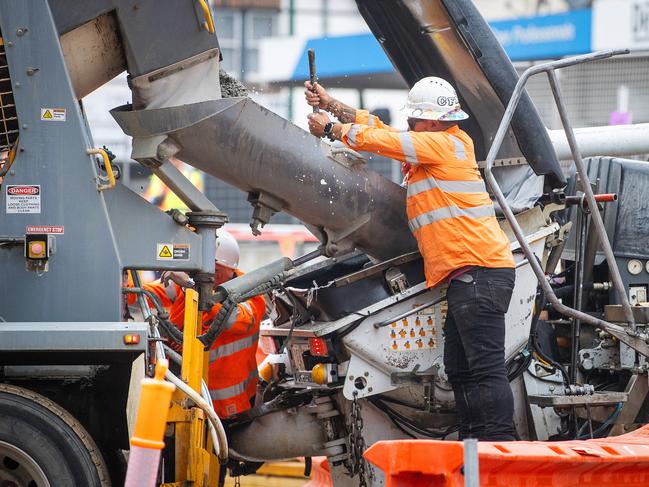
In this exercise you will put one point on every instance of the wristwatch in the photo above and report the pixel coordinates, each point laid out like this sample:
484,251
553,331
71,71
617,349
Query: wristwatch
328,131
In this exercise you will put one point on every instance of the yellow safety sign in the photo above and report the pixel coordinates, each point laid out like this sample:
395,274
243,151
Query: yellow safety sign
165,253
53,114
169,251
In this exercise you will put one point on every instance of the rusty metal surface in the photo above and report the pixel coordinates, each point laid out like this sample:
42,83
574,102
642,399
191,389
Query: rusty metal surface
597,399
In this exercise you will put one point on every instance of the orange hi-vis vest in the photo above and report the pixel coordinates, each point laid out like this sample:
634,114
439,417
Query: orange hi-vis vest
232,373
449,210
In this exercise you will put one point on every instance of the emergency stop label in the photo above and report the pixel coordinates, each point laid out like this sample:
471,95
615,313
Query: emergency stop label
24,198
168,251
53,114
53,229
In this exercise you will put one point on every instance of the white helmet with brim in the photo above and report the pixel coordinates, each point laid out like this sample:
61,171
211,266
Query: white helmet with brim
433,98
227,250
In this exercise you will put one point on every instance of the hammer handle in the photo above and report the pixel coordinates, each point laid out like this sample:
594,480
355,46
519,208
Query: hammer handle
312,74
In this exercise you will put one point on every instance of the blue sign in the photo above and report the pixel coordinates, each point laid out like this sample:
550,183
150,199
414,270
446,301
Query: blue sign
365,56
545,37
523,38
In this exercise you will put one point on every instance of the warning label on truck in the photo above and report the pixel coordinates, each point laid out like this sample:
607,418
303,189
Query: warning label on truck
24,198
167,251
55,229
53,114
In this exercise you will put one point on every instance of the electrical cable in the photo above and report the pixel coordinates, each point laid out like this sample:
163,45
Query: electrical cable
395,415
603,426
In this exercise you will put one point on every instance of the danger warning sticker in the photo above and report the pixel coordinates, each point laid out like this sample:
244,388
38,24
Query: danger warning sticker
53,114
24,198
55,229
167,251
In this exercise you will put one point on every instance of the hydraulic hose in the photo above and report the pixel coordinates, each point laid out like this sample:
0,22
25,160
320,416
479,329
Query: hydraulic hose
214,434
220,440
205,392
163,316
242,288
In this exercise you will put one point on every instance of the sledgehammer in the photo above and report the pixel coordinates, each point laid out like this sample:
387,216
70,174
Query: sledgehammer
312,75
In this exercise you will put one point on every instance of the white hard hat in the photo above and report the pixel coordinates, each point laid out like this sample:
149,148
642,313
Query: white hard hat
227,250
433,98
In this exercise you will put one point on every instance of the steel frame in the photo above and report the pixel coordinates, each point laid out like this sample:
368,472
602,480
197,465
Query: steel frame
629,334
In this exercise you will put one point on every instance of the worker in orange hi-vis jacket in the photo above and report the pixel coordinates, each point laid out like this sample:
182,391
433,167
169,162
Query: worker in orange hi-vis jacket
452,217
232,374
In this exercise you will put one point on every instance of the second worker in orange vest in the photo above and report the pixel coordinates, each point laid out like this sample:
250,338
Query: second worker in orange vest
232,374
452,217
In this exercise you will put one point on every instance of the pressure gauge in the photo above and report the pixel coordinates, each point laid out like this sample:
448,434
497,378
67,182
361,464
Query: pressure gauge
634,266
647,266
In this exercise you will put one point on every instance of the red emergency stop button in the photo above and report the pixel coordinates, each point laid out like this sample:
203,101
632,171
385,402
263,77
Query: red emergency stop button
36,249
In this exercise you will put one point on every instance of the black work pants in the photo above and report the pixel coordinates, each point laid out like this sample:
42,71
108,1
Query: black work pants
474,352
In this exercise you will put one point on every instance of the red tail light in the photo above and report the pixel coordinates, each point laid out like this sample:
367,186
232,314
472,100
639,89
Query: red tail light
131,339
318,347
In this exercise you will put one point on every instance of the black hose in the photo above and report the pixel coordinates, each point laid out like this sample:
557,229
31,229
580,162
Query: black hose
229,295
397,417
218,323
163,316
534,343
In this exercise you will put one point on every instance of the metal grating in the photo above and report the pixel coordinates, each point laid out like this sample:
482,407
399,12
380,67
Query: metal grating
590,91
8,116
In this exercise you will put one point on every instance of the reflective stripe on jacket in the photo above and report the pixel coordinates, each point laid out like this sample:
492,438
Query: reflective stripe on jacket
232,373
449,210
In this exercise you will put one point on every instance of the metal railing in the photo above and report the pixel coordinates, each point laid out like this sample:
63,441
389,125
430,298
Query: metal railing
628,335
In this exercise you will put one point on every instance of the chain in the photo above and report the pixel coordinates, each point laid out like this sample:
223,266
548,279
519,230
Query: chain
357,443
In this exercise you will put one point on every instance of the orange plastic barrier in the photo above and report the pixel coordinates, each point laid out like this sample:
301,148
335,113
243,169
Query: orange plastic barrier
320,476
607,462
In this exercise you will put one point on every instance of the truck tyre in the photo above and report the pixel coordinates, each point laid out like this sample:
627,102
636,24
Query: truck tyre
41,444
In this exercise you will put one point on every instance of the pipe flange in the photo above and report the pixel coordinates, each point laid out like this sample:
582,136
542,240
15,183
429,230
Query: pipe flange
203,277
207,219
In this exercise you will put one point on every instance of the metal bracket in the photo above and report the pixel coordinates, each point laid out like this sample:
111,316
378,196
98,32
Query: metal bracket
561,401
350,158
396,280
265,206
336,240
415,376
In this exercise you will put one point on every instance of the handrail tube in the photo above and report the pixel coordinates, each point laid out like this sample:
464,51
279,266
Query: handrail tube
109,168
596,217
410,312
615,330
